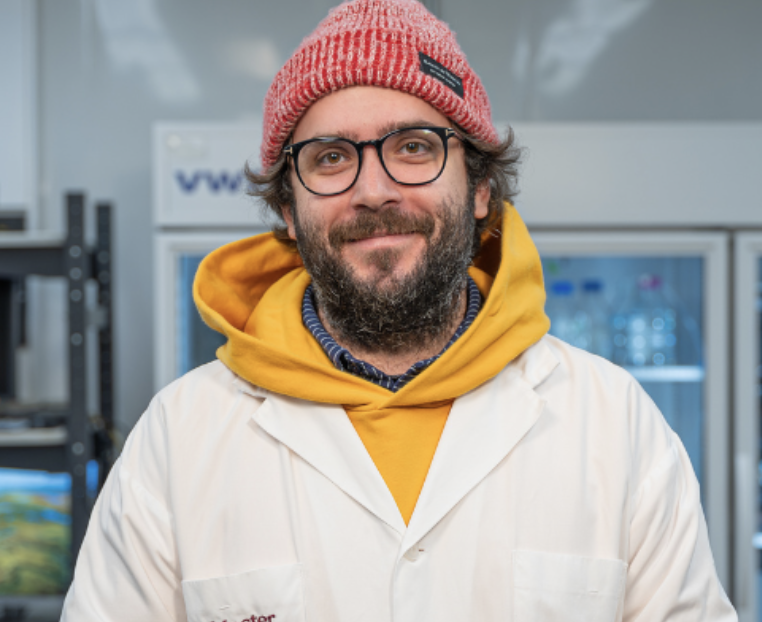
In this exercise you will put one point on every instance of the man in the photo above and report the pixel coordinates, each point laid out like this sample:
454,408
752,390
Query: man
389,434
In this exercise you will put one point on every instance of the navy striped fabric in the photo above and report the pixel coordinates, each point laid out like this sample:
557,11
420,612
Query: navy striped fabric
344,361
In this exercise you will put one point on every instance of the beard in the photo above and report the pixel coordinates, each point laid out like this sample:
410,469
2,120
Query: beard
390,313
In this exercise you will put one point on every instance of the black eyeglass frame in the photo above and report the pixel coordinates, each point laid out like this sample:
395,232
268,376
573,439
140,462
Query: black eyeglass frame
444,133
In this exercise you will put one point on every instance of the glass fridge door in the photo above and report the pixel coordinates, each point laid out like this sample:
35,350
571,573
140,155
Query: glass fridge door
747,378
182,340
654,304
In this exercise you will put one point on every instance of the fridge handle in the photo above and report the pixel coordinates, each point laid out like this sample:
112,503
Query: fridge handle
744,491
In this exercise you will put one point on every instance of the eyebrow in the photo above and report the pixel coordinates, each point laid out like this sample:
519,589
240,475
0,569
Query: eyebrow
385,129
401,125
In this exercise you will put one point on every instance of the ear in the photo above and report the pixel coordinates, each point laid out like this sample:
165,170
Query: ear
481,200
289,218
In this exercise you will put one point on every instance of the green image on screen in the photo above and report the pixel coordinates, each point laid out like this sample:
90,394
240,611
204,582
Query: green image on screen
35,532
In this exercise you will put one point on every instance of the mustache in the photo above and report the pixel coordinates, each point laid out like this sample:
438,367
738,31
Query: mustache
391,221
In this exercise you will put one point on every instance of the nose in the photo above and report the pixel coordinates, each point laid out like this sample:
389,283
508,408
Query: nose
374,189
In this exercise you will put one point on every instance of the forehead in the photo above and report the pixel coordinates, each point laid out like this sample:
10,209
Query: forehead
365,112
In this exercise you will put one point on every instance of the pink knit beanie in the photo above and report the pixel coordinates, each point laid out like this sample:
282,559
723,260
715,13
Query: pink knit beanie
391,43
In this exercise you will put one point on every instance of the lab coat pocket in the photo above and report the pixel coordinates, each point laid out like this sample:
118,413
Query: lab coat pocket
549,587
272,594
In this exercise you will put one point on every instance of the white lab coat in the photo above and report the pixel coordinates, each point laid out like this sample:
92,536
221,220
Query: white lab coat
557,492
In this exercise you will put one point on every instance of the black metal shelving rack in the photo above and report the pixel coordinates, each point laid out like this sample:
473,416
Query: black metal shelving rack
81,437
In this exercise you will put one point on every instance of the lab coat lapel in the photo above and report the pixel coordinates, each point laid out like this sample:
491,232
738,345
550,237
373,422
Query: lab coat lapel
323,436
482,429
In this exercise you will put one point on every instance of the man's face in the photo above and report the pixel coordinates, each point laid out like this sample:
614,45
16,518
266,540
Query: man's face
388,262
365,113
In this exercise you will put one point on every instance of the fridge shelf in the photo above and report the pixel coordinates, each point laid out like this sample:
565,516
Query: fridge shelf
668,373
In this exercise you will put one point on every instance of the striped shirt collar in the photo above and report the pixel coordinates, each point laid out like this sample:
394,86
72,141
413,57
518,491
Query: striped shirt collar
344,361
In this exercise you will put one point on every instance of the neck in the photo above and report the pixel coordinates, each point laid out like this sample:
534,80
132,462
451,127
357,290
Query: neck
398,362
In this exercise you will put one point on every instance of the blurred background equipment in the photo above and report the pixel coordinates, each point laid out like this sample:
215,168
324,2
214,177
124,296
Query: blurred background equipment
54,457
199,205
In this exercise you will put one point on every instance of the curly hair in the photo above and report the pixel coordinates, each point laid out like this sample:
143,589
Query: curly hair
497,163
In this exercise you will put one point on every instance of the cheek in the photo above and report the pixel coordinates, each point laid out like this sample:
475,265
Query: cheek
320,213
309,222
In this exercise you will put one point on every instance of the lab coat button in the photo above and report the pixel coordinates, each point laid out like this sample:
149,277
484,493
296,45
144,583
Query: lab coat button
413,553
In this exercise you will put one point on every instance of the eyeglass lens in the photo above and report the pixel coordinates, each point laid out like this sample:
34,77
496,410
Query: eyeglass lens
411,156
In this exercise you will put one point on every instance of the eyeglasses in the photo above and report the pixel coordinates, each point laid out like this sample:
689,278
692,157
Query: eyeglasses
411,156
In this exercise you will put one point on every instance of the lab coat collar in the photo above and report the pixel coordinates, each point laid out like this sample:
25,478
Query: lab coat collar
323,436
483,427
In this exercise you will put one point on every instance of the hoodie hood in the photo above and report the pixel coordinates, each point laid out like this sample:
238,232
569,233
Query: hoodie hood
251,291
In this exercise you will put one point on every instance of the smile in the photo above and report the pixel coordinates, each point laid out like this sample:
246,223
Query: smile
379,239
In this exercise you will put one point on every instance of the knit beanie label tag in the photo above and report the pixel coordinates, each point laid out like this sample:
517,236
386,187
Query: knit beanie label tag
438,71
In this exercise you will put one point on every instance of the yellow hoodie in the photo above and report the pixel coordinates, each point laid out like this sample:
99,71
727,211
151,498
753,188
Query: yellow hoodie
251,291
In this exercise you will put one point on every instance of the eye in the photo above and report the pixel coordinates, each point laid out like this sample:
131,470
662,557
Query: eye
331,158
414,145
413,148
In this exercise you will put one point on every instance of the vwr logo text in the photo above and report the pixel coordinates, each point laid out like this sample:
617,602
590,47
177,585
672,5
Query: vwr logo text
215,182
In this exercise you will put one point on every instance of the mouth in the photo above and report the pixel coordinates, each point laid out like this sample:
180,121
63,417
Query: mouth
381,240
381,234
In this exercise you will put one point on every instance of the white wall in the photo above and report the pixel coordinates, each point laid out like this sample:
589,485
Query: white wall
18,111
614,61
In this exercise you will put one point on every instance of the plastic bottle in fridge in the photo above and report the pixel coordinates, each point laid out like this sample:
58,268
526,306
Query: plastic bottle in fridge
561,311
645,329
594,319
